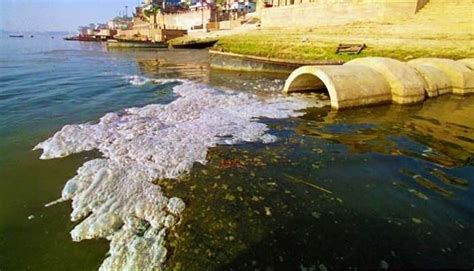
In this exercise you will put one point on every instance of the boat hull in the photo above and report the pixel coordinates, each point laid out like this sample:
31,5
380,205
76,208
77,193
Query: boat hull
195,45
136,44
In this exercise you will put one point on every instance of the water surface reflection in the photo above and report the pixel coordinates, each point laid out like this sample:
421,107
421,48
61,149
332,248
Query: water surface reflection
351,189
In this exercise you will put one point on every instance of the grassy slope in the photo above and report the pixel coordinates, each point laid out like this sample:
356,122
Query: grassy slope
441,29
318,44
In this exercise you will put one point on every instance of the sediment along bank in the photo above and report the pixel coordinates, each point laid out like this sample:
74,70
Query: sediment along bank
376,80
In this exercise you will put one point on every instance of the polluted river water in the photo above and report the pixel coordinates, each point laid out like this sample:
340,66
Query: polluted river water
189,168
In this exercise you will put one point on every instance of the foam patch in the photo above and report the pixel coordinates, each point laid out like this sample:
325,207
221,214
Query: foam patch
114,196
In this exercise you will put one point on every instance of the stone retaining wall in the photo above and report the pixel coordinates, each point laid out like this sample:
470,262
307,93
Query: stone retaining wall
187,20
336,12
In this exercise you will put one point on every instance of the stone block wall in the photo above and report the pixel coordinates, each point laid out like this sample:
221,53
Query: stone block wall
150,34
186,20
312,13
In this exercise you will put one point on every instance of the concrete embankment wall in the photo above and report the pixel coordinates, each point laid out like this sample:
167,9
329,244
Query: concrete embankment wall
187,20
376,80
336,12
238,62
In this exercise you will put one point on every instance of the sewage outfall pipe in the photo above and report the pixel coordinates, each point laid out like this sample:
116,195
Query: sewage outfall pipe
376,80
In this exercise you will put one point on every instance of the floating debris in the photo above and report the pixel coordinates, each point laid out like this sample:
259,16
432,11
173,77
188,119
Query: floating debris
230,163
384,265
229,197
418,194
316,215
416,220
307,183
268,211
31,217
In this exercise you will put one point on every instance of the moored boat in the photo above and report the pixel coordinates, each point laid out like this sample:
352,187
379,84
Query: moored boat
16,36
136,44
82,38
195,44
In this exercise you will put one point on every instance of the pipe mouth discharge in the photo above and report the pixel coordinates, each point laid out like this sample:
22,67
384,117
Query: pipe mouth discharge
376,80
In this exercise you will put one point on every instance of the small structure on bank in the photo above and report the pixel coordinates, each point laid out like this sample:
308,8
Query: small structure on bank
377,80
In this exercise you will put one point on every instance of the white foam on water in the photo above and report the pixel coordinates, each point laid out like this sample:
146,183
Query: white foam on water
114,195
138,80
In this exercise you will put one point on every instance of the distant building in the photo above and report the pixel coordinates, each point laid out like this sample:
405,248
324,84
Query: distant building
240,5
243,6
100,26
120,23
198,3
173,2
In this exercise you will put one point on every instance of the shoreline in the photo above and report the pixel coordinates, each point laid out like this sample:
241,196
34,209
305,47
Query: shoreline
249,63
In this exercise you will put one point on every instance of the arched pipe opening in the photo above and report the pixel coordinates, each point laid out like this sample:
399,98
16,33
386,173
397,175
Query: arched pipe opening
308,82
348,86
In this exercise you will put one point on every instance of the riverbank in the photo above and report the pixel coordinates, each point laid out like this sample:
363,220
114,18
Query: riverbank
321,44
280,50
440,29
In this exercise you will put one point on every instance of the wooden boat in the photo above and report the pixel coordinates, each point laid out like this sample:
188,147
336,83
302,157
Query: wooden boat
16,36
71,38
195,44
136,44
81,38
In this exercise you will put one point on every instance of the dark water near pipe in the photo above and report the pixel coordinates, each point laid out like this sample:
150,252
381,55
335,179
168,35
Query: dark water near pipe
365,188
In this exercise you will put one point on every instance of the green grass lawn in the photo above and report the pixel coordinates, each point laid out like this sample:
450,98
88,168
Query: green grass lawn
321,45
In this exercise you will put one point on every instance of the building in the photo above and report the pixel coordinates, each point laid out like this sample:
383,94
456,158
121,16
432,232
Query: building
243,6
120,23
